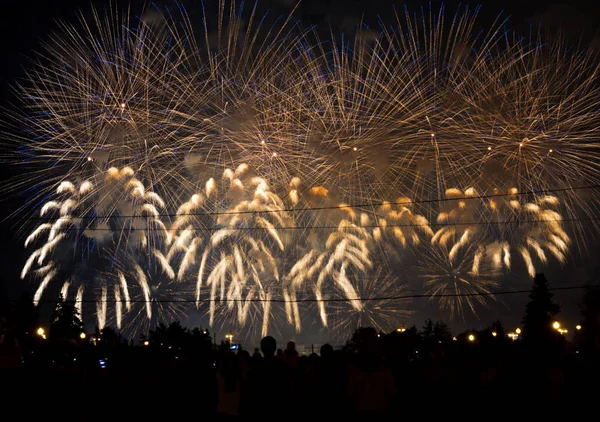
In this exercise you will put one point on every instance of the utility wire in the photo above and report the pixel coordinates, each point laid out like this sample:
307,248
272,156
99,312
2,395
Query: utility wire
399,297
336,207
367,226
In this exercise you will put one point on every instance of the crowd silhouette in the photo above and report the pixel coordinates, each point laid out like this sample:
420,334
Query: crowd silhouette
375,374
175,372
373,378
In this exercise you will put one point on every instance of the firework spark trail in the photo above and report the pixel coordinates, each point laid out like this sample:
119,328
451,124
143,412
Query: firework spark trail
445,276
112,209
407,226
241,262
101,309
347,100
383,315
346,247
156,298
539,227
531,106
503,227
461,211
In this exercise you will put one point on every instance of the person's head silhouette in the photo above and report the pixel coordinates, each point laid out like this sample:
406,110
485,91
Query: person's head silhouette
326,351
268,345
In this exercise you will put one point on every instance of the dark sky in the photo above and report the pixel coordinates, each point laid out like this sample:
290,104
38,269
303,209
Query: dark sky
24,23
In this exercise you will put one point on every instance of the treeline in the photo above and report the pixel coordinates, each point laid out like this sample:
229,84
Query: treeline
24,339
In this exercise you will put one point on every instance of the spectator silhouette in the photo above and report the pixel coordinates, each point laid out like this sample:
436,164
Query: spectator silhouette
291,355
330,384
370,385
243,358
268,382
326,352
229,383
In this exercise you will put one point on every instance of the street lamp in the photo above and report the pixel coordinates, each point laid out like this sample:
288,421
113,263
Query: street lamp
518,331
82,335
146,343
471,337
578,327
494,333
556,325
41,332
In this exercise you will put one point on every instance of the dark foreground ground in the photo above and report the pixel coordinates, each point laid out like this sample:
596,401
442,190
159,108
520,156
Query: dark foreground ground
337,386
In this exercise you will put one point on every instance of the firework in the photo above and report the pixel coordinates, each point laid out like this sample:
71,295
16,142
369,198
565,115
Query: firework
380,305
155,296
503,225
400,220
86,226
532,230
229,234
452,283
248,163
337,244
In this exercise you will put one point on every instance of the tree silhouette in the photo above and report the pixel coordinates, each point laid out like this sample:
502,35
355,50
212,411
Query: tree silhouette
437,331
4,313
589,336
362,338
24,317
109,336
441,331
174,335
498,328
539,313
65,323
427,331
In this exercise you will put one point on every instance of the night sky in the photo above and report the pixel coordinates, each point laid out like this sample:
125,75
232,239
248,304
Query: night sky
25,23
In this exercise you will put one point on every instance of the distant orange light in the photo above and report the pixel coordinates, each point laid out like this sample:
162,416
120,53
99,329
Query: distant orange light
355,149
489,148
274,154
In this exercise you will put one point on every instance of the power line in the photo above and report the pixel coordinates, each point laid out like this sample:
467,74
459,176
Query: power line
309,300
336,207
367,226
